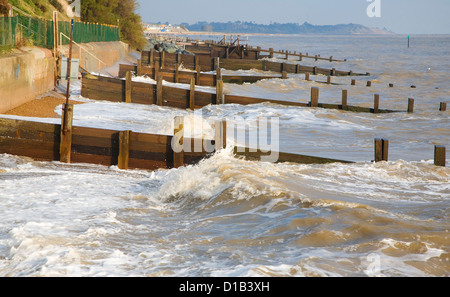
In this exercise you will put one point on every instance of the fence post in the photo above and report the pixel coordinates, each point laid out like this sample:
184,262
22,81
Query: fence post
284,75
128,83
124,149
439,155
443,106
314,97
353,82
307,76
177,142
65,147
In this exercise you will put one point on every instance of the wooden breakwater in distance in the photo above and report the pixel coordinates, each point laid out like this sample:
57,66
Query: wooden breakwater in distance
185,77
236,50
207,63
184,97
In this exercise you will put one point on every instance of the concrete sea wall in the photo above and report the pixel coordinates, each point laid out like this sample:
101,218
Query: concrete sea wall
23,76
31,72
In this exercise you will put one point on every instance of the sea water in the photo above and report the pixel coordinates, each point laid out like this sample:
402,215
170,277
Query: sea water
230,217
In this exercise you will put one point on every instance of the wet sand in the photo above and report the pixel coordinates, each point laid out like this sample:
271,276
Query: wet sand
40,108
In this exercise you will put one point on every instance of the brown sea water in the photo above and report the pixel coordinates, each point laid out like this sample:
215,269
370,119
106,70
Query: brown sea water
231,217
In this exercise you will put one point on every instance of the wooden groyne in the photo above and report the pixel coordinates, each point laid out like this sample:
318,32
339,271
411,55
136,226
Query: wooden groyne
125,149
207,63
131,150
187,97
185,77
236,49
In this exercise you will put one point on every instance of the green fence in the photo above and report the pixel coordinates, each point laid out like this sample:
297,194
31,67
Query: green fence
8,32
41,32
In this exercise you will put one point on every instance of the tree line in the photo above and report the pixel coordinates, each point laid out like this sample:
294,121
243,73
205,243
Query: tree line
116,12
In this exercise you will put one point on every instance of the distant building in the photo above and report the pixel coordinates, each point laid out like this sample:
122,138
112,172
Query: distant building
160,28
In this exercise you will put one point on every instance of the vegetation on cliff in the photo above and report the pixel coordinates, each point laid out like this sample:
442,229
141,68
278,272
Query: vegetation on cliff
116,12
111,12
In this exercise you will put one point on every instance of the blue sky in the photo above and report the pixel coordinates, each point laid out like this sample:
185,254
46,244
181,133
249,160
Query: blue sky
400,16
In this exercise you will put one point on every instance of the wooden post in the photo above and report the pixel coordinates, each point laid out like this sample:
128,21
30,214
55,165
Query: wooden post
369,83
139,68
443,106
410,105
218,74
307,76
216,63
284,75
316,58
197,75
163,59
353,82
439,155
159,91
177,142
333,72
56,34
152,57
219,92
177,73
271,53
156,70
197,62
220,137
376,103
344,99
314,97
192,95
65,147
283,67
381,150
301,57
315,70
329,79
128,83
124,149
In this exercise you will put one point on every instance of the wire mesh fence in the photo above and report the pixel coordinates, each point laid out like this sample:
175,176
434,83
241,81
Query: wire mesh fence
40,32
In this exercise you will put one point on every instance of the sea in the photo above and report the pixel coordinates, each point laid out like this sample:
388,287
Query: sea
230,217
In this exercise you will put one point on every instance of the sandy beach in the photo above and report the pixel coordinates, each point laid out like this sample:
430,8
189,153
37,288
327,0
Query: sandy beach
40,108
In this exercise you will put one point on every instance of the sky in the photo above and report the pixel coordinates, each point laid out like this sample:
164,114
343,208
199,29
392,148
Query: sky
399,16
